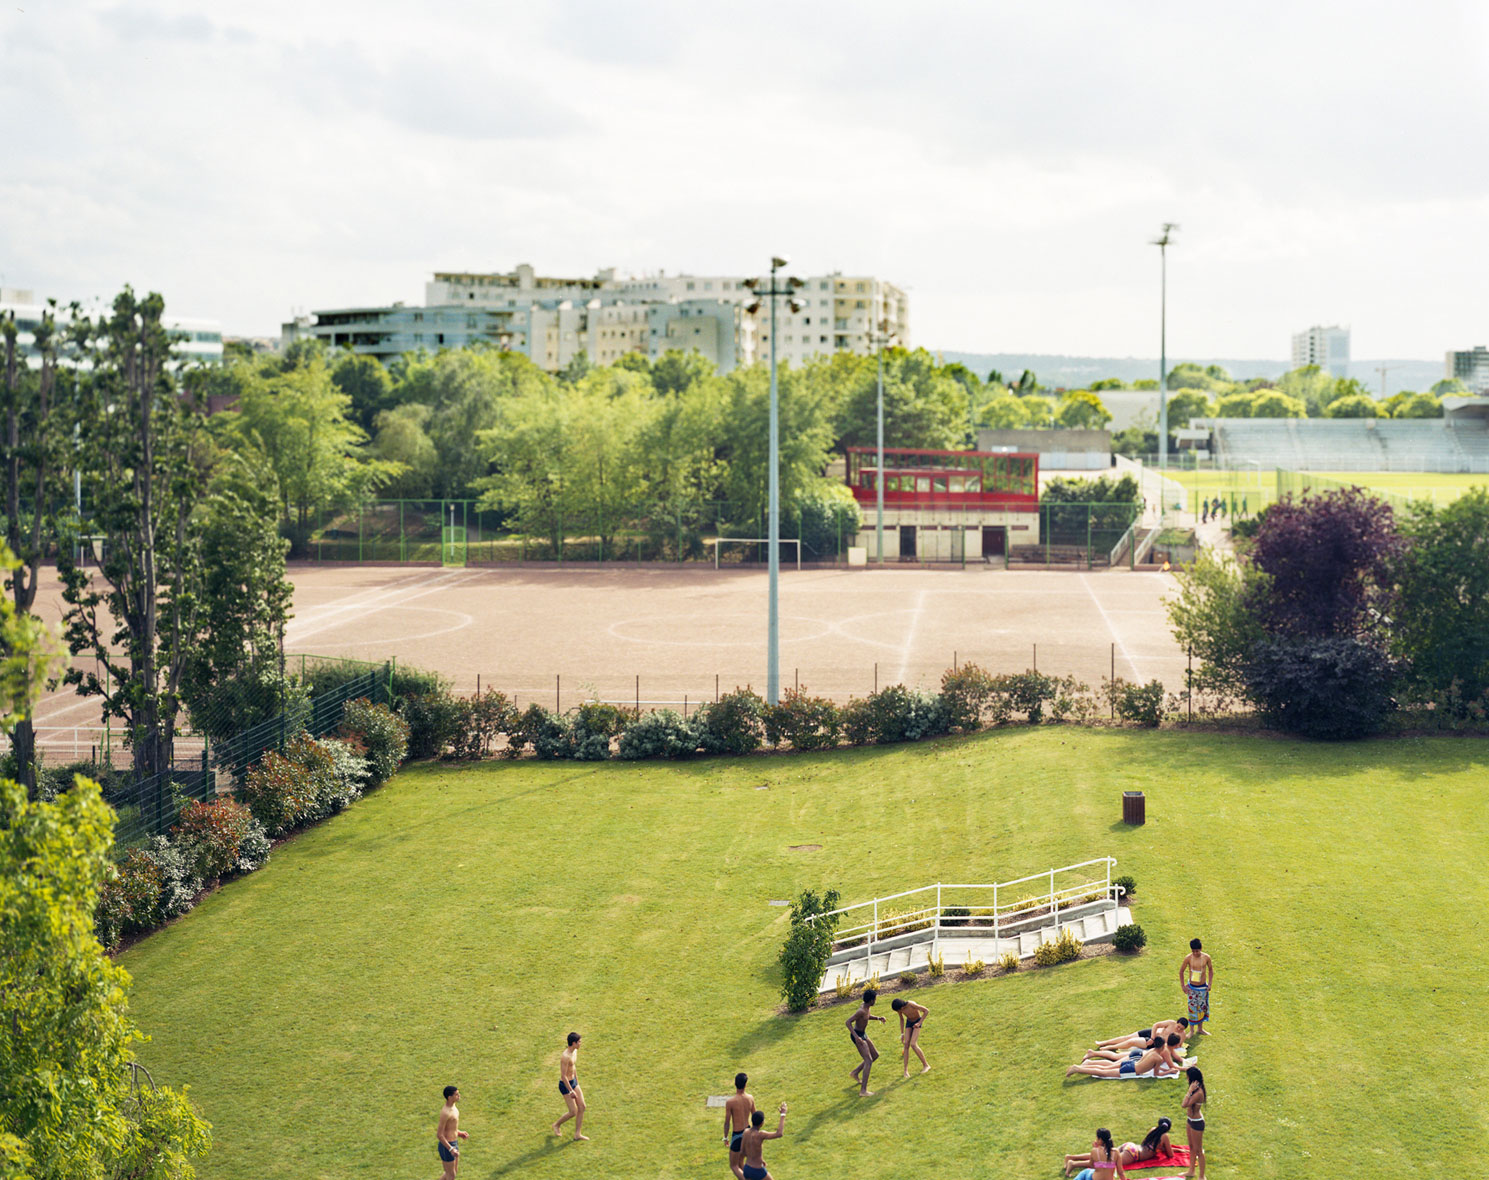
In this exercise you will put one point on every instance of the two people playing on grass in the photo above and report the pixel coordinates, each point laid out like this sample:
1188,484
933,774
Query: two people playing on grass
912,1020
744,1132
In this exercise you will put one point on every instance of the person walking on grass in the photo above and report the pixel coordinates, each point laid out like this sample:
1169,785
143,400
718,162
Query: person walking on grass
1196,974
737,1112
1193,1104
447,1133
912,1019
568,1087
754,1138
858,1031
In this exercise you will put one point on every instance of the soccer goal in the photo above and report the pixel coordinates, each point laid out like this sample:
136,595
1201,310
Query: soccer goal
762,541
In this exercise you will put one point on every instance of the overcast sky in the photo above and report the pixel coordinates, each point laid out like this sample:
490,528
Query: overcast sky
1006,162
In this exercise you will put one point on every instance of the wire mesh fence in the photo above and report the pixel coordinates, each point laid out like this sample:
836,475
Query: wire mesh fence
149,806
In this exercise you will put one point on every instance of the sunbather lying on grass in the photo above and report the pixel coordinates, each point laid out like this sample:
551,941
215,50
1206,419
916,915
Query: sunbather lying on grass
1159,1062
1139,1039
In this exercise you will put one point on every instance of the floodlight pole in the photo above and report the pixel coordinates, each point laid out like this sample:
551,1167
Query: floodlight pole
773,642
1162,241
880,338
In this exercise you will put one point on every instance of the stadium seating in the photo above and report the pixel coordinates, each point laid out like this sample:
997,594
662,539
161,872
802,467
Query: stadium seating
1352,444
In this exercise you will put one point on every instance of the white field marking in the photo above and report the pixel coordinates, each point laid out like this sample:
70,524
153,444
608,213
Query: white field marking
909,644
366,597
837,628
1111,630
394,598
82,703
465,621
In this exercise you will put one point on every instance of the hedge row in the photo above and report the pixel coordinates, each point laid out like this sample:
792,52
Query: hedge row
741,722
229,836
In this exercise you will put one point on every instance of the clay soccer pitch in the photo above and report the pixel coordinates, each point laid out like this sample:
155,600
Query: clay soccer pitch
569,634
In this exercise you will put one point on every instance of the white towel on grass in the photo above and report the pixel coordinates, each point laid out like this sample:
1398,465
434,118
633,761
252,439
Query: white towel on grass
1150,1074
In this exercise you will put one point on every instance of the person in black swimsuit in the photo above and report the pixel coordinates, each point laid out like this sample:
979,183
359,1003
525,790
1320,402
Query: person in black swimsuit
858,1030
754,1163
912,1018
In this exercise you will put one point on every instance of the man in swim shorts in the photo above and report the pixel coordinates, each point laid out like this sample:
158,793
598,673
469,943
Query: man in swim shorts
912,1019
1196,974
568,1087
447,1133
1161,1028
858,1030
1159,1061
754,1161
737,1112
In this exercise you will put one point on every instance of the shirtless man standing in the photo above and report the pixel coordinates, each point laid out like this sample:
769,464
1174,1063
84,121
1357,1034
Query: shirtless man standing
754,1163
568,1086
858,1030
1196,974
737,1111
447,1133
912,1019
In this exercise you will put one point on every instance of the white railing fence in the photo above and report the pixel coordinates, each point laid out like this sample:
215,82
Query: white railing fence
999,910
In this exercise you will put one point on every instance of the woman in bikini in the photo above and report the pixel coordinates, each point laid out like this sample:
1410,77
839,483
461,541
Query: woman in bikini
1155,1143
1102,1162
1194,1107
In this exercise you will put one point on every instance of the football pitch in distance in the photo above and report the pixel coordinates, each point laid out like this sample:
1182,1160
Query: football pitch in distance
1259,487
456,924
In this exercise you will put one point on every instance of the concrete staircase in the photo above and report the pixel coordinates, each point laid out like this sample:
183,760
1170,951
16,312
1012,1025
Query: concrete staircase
912,951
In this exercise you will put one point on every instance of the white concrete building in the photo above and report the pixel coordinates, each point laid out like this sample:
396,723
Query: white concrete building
1328,348
196,341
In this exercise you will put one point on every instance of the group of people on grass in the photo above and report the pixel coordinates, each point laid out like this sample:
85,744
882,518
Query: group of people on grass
1157,1052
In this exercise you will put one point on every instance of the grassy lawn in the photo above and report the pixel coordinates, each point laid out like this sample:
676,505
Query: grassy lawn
455,925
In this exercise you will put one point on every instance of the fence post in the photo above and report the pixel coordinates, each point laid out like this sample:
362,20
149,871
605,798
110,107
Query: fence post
868,963
995,914
1054,909
1112,683
1036,658
1088,536
557,686
936,930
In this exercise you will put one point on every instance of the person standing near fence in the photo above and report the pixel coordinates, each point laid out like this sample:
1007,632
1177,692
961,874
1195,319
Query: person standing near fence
1196,974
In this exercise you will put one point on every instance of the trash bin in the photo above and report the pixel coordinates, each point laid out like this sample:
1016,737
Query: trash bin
1133,807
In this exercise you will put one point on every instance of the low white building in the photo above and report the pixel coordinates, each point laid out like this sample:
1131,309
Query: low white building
195,341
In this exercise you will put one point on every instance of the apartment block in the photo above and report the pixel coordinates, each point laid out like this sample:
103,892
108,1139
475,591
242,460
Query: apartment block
1471,367
1328,348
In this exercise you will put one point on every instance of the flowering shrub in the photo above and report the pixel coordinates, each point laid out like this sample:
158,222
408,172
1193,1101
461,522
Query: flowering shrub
381,732
211,835
279,792
731,724
663,734
807,722
350,768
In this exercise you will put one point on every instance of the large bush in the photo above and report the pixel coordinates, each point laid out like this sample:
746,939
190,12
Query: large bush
893,714
322,781
807,722
379,731
808,947
1025,692
1334,688
423,700
179,883
545,731
211,835
965,694
350,772
279,793
731,725
1138,703
483,718
663,734
592,726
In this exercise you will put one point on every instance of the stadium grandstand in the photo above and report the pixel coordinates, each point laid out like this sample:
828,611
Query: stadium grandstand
1459,441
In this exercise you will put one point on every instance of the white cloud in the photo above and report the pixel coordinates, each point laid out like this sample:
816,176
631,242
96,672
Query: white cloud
1007,162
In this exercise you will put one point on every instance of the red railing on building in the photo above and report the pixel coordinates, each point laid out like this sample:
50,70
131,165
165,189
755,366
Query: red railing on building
916,478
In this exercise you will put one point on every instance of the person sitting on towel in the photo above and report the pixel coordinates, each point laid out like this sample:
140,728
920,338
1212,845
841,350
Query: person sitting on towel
1160,1062
1140,1039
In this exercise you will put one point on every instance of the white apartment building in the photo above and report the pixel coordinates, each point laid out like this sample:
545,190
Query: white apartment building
195,341
839,313
1471,366
1328,348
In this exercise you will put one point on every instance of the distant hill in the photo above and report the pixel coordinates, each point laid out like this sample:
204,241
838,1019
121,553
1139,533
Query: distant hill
1076,372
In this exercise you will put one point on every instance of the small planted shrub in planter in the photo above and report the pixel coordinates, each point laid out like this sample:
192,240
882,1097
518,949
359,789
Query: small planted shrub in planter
956,915
936,965
909,979
1129,939
1009,962
1062,950
973,967
1128,885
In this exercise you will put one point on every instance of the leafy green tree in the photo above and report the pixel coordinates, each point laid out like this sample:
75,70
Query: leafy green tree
1039,412
32,462
1080,409
1309,385
401,439
1450,387
145,465
297,424
1185,404
233,676
575,371
1441,609
675,371
1027,385
1108,383
1188,375
636,362
1353,406
367,385
1006,413
1413,405
1272,403
1213,618
682,470
1146,383
923,406
1236,405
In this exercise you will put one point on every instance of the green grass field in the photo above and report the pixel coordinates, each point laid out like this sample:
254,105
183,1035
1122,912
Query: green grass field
456,924
1259,488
